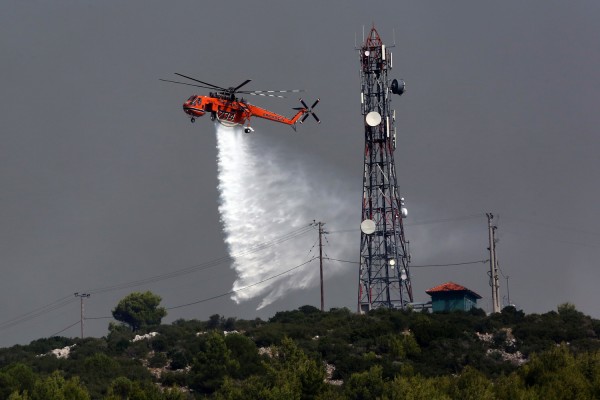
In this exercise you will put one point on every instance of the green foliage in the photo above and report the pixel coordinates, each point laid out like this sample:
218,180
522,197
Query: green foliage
385,354
472,385
416,388
16,378
367,385
245,352
212,364
125,389
158,360
55,387
291,363
140,310
558,374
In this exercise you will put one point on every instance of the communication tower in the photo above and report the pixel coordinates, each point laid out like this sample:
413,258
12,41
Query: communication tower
384,276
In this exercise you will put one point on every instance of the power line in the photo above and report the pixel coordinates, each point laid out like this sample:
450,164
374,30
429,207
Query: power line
451,265
66,300
551,226
243,288
592,246
441,220
206,265
422,266
55,305
417,223
61,331
227,293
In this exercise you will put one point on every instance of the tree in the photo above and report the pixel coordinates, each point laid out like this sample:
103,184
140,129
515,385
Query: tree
212,364
366,385
55,387
16,378
140,310
416,388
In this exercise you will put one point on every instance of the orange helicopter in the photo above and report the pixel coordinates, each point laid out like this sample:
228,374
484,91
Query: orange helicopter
228,110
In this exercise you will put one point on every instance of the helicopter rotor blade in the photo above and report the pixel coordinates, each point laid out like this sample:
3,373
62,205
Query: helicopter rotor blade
242,84
271,91
263,94
204,83
187,84
308,111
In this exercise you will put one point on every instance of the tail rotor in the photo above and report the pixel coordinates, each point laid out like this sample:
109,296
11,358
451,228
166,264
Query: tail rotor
308,111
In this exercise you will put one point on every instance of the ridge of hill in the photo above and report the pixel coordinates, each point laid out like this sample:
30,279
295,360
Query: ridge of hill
306,353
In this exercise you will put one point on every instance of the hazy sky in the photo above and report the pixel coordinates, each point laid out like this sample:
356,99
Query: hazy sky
106,182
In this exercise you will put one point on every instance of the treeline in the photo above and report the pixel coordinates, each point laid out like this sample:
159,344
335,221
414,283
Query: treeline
309,354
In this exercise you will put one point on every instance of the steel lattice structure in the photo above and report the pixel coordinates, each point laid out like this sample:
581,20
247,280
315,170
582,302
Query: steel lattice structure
384,276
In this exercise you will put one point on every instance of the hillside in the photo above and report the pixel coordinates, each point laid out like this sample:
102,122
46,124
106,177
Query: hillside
306,353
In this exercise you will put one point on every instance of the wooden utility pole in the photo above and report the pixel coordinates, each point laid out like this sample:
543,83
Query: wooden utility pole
321,263
81,296
493,265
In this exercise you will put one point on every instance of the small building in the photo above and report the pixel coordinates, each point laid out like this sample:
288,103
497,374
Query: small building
451,296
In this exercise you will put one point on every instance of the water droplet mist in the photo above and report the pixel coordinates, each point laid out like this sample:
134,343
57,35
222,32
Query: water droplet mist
267,191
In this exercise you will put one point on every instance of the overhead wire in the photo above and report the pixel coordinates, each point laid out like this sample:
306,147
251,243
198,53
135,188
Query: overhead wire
204,266
528,221
417,223
68,327
55,305
226,293
422,266
66,300
245,287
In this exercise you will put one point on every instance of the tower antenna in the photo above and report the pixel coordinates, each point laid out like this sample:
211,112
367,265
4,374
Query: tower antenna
384,276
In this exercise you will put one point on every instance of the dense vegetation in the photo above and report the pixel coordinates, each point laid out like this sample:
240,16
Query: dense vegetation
309,354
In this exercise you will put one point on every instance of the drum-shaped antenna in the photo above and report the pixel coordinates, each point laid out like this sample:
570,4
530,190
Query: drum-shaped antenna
373,118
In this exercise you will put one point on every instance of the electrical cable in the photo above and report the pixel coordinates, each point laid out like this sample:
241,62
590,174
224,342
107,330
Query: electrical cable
441,220
206,265
243,288
451,265
422,266
70,326
555,240
417,223
64,301
551,226
55,305
227,293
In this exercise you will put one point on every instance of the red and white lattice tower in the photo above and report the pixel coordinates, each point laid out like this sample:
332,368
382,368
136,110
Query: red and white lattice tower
384,276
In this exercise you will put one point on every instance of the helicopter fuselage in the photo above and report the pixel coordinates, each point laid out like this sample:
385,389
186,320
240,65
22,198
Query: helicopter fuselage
230,111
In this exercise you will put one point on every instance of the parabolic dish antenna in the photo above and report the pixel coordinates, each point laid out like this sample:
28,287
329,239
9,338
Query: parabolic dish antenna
367,226
373,118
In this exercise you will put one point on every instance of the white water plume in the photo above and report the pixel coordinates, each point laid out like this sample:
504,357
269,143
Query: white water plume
266,193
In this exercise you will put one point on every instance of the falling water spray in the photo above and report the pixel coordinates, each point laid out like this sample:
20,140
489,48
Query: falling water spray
266,192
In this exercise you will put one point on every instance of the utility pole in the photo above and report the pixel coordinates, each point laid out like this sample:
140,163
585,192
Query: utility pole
493,265
320,224
507,292
81,297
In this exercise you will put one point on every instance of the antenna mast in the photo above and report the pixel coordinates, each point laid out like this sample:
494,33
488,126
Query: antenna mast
384,277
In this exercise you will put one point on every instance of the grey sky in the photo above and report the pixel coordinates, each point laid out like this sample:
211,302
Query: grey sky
105,181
